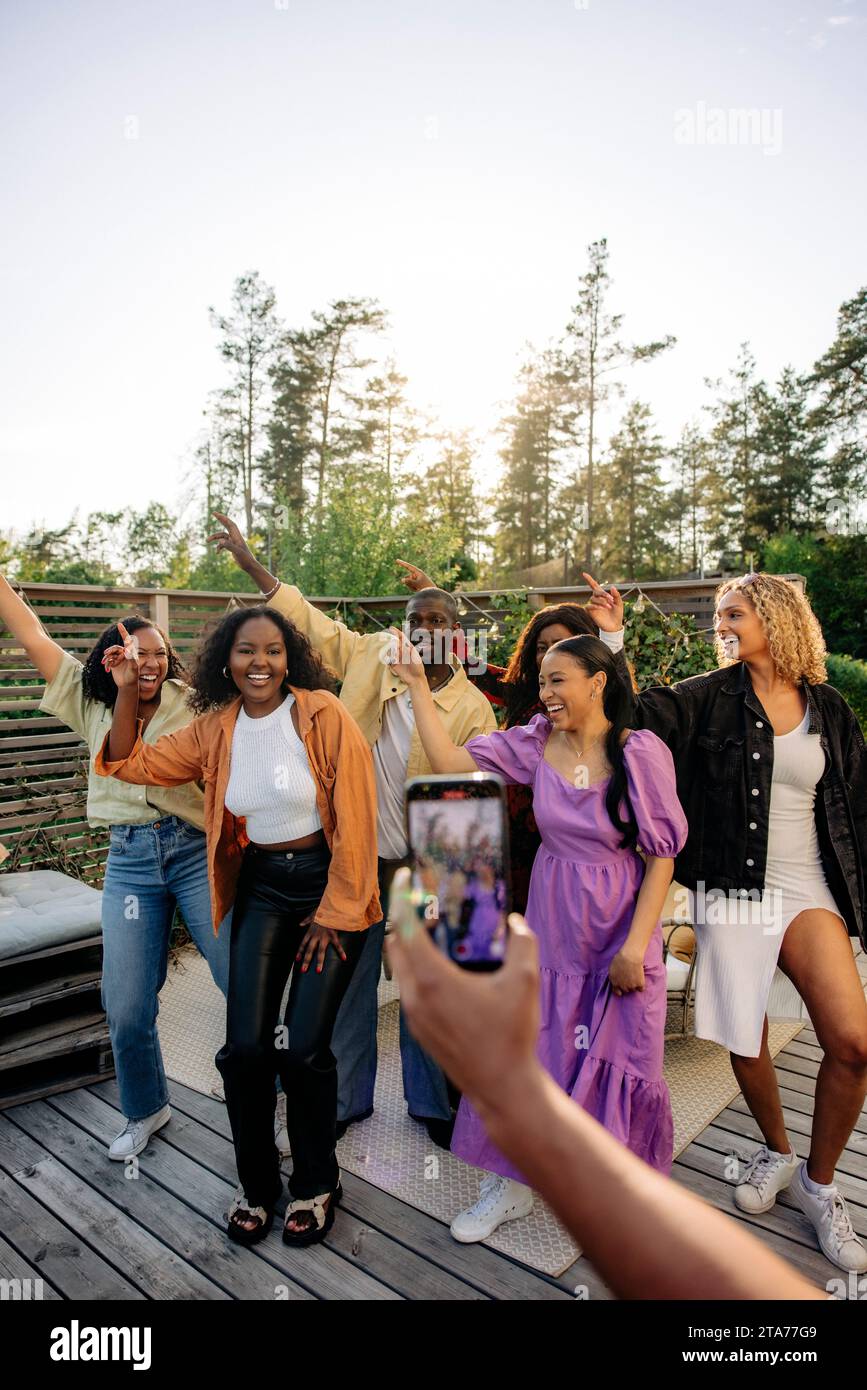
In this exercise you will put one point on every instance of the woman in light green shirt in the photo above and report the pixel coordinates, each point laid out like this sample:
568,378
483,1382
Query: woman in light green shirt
156,858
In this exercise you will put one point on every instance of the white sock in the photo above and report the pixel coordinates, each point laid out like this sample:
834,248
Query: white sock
774,1153
817,1189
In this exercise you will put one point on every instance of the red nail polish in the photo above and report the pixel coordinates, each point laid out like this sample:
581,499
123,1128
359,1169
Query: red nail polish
304,970
319,970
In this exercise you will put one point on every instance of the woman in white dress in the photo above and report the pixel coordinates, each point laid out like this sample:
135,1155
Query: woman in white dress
772,774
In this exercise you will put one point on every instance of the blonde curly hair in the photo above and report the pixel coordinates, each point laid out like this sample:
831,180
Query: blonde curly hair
795,639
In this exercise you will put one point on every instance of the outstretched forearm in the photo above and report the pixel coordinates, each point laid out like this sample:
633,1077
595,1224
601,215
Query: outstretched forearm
647,1236
124,724
264,580
443,755
26,628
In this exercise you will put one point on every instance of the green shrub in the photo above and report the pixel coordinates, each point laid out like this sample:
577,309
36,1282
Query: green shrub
664,647
849,675
835,568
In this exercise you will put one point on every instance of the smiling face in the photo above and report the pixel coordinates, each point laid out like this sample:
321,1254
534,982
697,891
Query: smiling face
257,663
566,690
739,627
153,663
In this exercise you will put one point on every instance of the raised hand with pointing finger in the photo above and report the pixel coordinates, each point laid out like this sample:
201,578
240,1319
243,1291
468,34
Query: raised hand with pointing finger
606,609
233,543
415,578
123,660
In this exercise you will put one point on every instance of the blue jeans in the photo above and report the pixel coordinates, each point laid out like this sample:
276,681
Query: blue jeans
354,1039
151,868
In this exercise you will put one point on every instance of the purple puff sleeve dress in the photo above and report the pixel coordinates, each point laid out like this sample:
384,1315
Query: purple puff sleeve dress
605,1051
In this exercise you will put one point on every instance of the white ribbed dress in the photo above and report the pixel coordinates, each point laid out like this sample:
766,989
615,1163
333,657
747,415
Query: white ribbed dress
270,781
739,942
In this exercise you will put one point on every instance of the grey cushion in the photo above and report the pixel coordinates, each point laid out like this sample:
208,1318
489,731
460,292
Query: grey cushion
45,908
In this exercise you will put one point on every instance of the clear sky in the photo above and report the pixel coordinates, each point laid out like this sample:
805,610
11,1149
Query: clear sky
451,159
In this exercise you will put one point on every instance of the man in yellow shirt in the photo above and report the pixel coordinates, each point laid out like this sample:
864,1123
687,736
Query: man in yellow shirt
380,702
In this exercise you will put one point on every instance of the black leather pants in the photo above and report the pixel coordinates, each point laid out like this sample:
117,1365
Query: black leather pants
275,891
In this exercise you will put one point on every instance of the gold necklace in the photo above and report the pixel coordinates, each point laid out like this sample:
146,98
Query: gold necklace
579,752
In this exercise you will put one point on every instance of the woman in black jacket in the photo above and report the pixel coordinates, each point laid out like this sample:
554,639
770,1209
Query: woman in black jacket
772,773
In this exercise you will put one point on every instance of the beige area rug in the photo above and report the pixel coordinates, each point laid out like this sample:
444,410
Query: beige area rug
394,1152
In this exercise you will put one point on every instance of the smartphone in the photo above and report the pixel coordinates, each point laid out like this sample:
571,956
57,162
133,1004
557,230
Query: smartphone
458,836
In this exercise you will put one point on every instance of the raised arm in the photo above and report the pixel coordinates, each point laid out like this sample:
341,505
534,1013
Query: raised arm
26,628
334,641
415,578
443,755
233,543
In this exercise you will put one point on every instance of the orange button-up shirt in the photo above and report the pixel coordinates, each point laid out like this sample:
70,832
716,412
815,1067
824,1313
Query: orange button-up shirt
342,768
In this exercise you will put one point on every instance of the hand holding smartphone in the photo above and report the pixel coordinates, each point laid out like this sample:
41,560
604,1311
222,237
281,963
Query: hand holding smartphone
458,839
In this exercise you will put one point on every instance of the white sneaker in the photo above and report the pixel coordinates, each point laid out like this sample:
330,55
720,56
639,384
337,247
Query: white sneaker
281,1133
500,1199
134,1138
765,1175
830,1216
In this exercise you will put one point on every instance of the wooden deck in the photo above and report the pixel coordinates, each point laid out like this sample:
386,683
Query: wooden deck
71,1218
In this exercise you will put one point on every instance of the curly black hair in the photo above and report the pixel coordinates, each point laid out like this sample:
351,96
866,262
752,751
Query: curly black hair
210,688
99,684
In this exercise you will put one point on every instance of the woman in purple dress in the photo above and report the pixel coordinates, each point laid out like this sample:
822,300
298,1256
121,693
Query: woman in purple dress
601,794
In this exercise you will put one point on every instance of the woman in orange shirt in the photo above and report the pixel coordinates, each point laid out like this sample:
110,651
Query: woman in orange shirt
290,815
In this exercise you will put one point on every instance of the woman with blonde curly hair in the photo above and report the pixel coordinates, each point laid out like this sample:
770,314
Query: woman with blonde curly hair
772,773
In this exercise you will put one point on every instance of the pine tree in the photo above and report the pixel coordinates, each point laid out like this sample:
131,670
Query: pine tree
733,473
840,376
251,333
594,354
635,515
789,449
690,457
317,383
538,429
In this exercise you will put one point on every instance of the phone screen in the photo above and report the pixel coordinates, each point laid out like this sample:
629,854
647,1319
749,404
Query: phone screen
458,840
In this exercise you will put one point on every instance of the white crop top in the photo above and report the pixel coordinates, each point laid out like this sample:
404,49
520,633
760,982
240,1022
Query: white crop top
270,781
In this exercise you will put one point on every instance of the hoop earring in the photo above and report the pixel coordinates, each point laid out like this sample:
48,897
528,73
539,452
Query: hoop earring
226,673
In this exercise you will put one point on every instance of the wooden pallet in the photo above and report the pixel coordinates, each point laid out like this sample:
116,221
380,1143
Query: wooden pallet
53,1030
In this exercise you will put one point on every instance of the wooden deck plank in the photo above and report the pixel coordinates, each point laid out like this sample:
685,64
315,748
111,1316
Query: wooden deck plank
803,1104
800,1127
709,1156
796,1048
784,1219
719,1141
319,1270
147,1261
56,1251
14,1266
487,1270
851,1163
378,1241
810,1261
796,1081
229,1270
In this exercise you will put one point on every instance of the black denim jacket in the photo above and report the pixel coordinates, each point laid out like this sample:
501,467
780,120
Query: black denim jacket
723,748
